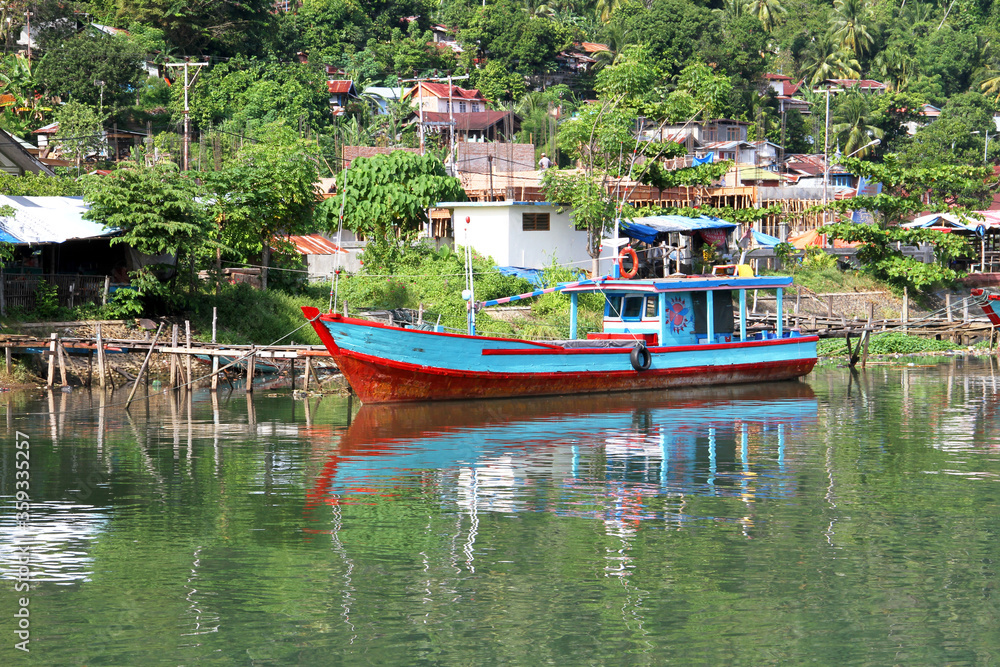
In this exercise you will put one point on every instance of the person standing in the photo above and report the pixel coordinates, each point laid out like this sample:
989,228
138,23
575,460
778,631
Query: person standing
544,163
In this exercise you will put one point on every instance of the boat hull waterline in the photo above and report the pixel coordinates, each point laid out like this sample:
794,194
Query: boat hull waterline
386,364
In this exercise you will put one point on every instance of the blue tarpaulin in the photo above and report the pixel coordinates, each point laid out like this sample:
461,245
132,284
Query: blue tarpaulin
650,229
534,276
765,240
708,159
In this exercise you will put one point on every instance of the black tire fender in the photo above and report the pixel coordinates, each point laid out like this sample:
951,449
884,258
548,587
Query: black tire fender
641,357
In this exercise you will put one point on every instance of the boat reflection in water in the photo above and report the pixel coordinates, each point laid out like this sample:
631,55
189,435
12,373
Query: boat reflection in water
602,457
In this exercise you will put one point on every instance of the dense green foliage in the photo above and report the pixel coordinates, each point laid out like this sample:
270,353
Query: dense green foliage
880,255
891,342
386,198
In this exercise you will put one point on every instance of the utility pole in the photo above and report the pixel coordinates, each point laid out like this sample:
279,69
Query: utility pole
187,111
420,100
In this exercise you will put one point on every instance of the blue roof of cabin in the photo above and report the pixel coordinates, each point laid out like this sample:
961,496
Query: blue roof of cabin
685,284
648,229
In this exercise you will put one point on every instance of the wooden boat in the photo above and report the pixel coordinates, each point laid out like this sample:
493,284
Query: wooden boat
658,334
989,301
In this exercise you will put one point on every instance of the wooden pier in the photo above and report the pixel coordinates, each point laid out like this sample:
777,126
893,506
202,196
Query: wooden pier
78,356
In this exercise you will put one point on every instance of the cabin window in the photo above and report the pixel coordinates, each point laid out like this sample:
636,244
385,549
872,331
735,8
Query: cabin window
461,107
614,307
633,308
651,306
535,222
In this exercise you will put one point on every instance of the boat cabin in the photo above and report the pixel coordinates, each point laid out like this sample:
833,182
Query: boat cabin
695,310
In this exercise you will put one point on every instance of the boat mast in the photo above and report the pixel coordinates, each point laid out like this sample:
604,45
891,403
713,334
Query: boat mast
469,292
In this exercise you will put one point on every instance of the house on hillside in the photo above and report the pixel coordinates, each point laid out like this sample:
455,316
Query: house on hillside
445,36
442,98
16,158
379,98
928,114
715,141
341,92
440,106
785,91
531,235
863,85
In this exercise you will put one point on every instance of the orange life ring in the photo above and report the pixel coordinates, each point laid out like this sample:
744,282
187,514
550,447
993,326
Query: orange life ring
628,251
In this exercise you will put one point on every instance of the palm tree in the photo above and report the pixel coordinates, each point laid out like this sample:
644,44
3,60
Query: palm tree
830,61
849,25
605,8
895,66
538,9
992,84
851,125
731,10
768,12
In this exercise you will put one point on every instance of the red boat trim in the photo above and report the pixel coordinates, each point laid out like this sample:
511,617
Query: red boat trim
658,350
493,375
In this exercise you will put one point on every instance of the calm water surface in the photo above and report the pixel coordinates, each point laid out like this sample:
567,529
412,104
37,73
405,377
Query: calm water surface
832,521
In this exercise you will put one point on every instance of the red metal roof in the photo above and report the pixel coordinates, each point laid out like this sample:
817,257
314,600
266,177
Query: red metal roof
340,86
593,47
314,244
472,120
441,90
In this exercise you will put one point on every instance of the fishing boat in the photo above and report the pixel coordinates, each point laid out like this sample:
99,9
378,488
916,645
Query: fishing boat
657,334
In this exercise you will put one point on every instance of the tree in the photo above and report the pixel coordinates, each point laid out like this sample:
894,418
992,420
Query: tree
265,192
667,27
592,209
386,198
244,93
907,191
221,27
851,125
95,69
498,84
827,60
849,25
956,137
768,12
330,29
503,32
80,133
29,109
880,254
153,210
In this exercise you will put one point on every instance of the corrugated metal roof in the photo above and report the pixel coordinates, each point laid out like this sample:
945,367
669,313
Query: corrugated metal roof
472,120
339,86
314,244
48,220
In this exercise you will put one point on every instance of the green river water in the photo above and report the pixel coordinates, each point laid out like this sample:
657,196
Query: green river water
833,521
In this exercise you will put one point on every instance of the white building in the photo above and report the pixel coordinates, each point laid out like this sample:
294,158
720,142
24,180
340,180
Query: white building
531,235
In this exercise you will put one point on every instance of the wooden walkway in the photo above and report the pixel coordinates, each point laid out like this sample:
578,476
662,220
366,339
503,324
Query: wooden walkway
69,353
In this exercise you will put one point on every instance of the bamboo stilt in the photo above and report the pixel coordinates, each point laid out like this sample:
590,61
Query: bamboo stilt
251,363
188,358
145,364
51,378
173,357
62,364
101,369
305,379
